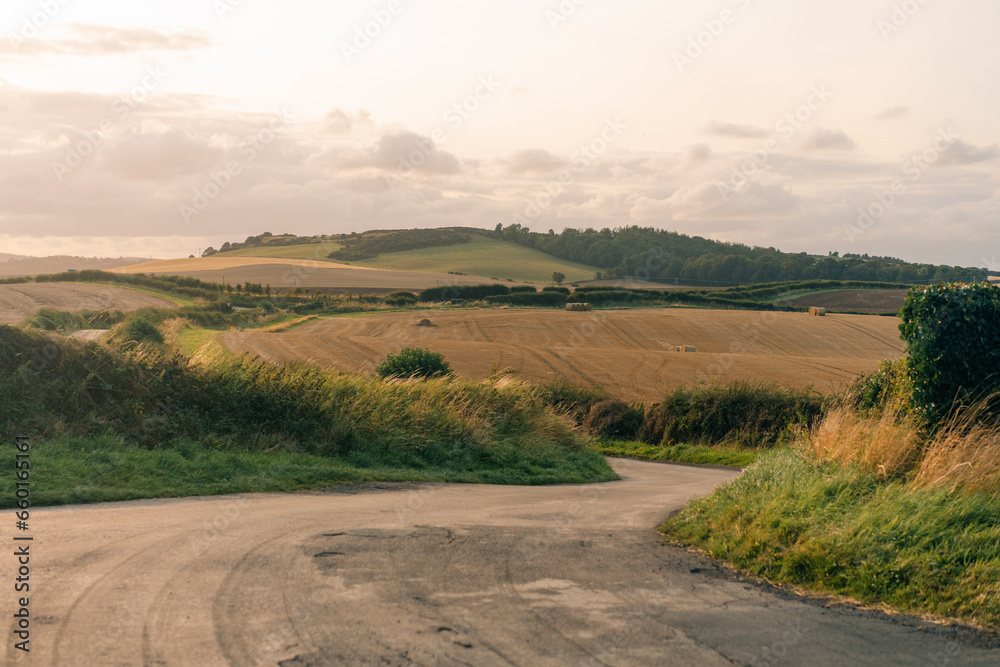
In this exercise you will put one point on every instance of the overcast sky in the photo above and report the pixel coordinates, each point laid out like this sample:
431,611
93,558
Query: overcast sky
150,128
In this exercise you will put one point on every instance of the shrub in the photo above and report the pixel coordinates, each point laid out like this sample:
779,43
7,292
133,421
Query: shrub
553,288
573,399
887,388
414,362
401,298
953,340
614,419
141,330
522,289
741,414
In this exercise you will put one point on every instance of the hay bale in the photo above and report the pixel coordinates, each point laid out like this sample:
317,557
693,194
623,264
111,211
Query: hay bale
818,312
685,348
578,307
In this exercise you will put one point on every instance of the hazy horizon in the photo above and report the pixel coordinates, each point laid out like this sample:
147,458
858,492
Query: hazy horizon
137,130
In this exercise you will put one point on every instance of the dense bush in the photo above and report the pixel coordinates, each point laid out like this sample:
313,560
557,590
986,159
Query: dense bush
522,289
414,362
740,414
462,292
553,288
614,419
888,387
400,298
572,399
140,330
952,333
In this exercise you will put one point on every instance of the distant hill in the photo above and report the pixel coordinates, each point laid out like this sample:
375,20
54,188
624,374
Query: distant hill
456,251
645,253
32,266
6,257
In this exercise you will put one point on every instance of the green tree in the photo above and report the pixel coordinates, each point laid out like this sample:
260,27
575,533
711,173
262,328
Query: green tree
558,278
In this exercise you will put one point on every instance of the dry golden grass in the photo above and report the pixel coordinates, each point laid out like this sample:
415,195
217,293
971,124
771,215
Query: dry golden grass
964,454
889,445
629,352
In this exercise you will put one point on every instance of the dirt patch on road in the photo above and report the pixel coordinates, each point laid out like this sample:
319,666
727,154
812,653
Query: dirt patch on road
18,302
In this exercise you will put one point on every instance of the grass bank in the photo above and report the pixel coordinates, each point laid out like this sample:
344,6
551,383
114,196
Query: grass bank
75,399
868,508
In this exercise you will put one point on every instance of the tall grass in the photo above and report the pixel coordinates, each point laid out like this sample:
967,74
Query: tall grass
871,505
503,432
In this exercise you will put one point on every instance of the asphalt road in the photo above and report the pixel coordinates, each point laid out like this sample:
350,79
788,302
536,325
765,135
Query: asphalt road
429,575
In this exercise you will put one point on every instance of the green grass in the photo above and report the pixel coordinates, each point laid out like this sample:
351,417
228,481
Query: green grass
711,455
317,251
73,470
192,339
483,256
840,530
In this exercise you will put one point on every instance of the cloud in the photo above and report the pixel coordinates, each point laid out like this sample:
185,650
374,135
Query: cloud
823,139
337,121
359,175
735,131
405,151
892,113
532,160
963,153
78,39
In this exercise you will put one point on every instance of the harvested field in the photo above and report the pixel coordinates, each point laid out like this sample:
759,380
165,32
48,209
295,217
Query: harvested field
870,301
18,302
629,352
291,273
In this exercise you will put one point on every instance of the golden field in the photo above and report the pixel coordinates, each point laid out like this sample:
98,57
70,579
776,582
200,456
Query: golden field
629,352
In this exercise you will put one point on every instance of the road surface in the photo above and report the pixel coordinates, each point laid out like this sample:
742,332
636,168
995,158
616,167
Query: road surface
429,575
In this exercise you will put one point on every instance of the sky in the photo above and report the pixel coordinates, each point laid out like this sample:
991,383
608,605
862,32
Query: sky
140,128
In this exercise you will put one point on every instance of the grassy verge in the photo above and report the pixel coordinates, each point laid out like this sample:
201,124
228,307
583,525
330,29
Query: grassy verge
870,506
840,530
142,410
701,454
104,469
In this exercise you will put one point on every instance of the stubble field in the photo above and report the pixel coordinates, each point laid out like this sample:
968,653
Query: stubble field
20,301
629,352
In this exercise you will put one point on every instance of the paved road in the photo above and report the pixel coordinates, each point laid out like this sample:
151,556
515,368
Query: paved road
429,575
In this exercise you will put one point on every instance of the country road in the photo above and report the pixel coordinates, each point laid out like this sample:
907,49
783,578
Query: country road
429,575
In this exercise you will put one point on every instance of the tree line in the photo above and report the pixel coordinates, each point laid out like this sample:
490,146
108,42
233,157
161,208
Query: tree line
667,256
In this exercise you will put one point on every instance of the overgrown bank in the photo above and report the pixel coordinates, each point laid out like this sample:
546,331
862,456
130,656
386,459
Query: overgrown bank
894,496
81,396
